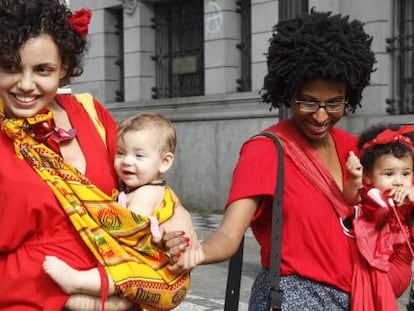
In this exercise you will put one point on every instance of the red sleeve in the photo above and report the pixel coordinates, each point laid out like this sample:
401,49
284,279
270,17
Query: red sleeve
254,173
344,143
400,272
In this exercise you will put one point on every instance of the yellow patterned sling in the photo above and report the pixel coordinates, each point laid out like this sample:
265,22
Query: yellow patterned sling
119,239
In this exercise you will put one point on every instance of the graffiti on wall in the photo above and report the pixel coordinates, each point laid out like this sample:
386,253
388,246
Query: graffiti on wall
214,17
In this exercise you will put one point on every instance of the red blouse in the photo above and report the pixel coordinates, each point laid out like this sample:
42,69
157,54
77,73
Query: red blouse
34,224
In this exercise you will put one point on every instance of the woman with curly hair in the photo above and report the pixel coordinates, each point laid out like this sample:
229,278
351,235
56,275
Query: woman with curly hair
318,66
57,156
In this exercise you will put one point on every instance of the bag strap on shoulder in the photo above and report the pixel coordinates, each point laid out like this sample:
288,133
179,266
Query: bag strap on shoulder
236,261
86,99
276,241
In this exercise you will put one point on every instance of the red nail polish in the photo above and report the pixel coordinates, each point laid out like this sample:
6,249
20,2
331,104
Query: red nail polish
178,255
182,233
187,244
187,240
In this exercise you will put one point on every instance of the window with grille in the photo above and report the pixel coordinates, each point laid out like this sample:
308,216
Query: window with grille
245,81
114,54
289,9
401,48
179,49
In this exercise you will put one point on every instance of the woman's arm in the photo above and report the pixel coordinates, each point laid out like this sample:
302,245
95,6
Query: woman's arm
224,242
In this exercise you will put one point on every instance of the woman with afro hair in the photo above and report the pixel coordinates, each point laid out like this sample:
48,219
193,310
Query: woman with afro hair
318,66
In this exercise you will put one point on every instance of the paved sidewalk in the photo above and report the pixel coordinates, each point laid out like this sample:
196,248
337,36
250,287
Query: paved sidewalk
208,282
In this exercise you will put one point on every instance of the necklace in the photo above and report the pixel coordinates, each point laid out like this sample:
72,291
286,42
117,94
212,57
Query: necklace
43,129
161,182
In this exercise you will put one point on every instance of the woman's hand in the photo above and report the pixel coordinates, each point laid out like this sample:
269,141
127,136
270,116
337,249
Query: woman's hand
174,244
190,258
180,241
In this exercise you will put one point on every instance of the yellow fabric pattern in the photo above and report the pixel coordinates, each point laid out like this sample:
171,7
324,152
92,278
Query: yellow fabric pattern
86,99
119,239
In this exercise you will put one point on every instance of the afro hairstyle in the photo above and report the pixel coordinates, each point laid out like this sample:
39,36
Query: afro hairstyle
317,45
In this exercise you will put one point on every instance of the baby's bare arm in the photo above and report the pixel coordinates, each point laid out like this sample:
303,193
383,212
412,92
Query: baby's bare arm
190,254
81,302
180,221
354,181
145,200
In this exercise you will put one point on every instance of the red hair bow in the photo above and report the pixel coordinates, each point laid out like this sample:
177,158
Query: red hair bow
389,136
79,21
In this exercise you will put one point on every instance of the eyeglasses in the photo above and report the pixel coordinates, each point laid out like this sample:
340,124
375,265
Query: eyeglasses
310,106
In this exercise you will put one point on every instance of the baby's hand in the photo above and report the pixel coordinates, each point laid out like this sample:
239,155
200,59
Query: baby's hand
403,194
354,166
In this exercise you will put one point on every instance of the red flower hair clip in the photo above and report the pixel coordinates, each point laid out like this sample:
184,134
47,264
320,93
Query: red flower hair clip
79,21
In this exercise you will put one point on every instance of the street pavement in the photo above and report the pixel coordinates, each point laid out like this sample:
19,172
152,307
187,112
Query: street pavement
208,282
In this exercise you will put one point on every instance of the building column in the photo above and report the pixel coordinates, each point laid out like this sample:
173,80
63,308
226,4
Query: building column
139,46
264,17
221,55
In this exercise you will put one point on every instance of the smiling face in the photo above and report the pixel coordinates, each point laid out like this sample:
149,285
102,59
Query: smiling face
28,87
315,125
389,172
138,159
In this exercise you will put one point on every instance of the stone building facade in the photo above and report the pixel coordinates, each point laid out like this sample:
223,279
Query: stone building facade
201,63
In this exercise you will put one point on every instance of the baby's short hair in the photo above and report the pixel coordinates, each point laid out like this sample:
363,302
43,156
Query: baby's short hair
164,128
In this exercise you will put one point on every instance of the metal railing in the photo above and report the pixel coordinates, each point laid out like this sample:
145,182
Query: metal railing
289,9
120,62
401,48
245,81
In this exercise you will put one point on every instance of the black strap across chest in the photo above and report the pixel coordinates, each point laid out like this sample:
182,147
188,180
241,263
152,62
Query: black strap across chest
236,261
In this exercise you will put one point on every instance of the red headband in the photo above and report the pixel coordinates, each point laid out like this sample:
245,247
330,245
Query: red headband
389,136
79,21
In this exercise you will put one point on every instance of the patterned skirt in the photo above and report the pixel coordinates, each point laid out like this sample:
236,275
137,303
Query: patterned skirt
298,294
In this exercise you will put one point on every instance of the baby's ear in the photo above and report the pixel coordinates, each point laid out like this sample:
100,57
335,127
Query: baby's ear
367,179
166,162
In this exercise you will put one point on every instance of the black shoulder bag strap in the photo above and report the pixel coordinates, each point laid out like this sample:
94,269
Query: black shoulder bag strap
231,303
236,261
276,242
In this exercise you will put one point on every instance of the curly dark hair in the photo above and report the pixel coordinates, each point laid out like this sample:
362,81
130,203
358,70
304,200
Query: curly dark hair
317,45
397,149
21,20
